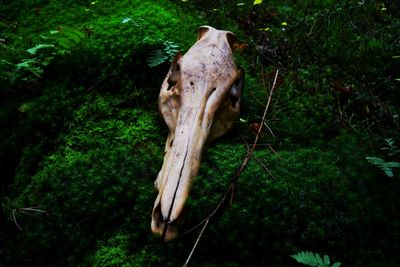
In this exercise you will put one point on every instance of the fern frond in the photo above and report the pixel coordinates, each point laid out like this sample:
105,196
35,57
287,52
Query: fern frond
392,149
164,54
308,258
34,49
383,165
156,58
314,259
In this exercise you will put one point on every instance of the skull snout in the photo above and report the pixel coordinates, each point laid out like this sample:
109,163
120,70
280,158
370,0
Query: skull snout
181,164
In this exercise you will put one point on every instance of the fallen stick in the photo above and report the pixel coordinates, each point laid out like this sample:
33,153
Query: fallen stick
234,179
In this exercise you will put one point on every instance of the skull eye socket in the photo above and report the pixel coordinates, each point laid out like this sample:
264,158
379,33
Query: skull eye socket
171,84
174,74
236,90
234,99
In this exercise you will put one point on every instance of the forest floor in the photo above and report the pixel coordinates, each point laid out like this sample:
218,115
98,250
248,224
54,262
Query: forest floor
82,141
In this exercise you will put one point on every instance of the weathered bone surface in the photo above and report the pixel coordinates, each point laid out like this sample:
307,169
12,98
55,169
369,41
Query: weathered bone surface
199,100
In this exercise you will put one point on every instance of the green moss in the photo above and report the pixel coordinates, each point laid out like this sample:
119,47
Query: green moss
100,178
82,139
113,252
308,196
87,184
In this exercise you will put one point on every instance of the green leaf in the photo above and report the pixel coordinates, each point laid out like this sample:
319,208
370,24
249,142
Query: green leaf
306,257
64,42
73,35
5,62
313,259
34,49
126,20
392,149
337,264
25,107
319,259
165,54
327,261
257,2
383,165
393,164
30,65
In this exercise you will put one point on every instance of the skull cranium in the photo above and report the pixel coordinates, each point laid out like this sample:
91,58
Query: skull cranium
199,101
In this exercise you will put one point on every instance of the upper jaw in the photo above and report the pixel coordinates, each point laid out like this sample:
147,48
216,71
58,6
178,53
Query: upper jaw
181,164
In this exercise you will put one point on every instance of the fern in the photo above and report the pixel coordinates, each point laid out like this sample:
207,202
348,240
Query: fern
392,149
32,66
34,49
383,165
66,39
314,259
162,55
57,43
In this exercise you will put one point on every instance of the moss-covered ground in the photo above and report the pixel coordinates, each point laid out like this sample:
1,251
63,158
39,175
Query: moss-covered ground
81,140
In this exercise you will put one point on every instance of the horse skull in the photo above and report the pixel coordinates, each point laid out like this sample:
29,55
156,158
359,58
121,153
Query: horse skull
200,101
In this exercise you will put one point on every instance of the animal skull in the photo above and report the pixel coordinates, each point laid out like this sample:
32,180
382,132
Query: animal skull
200,101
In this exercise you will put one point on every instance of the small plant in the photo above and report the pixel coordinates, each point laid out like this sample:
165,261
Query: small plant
314,259
392,149
385,166
30,68
164,54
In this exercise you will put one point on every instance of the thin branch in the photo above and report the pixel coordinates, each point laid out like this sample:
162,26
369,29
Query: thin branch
261,144
270,147
15,219
266,125
28,211
266,109
265,167
197,242
32,209
100,80
259,161
235,177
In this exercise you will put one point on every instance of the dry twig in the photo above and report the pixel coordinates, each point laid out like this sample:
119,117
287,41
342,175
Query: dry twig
259,161
197,242
234,179
29,211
